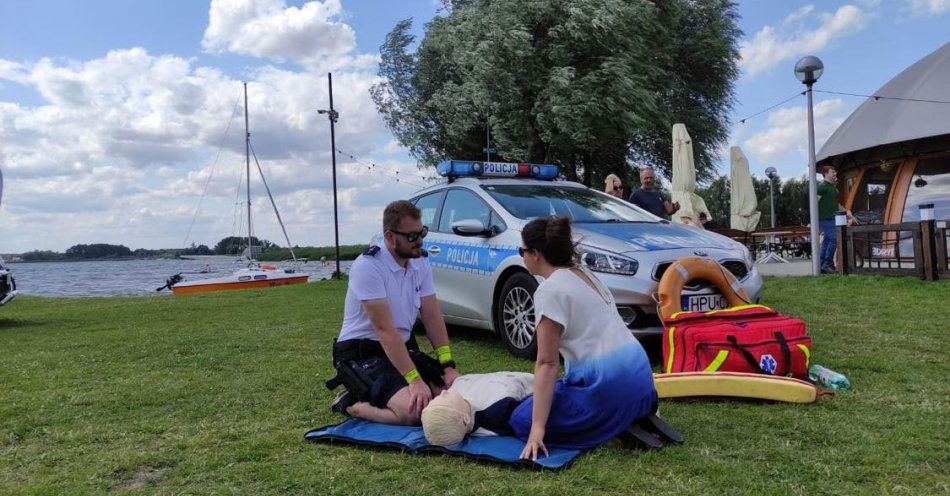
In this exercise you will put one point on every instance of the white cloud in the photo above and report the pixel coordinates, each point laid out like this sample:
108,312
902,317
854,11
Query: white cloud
929,7
773,45
13,71
268,28
799,14
788,131
123,146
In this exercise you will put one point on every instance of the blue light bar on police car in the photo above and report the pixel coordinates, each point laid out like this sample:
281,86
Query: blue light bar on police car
469,168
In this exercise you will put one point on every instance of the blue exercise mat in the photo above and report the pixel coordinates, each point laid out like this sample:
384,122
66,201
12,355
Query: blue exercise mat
500,449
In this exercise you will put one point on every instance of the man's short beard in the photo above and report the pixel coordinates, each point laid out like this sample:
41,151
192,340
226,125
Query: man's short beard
408,253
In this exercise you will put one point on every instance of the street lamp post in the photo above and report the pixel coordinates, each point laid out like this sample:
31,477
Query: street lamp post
333,115
771,173
808,70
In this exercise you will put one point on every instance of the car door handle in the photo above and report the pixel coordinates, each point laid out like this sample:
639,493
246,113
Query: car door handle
434,250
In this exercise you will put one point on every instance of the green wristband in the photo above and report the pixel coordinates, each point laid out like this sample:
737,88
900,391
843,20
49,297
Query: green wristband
411,375
444,353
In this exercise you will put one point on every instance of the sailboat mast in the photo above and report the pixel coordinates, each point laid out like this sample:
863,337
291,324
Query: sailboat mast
247,160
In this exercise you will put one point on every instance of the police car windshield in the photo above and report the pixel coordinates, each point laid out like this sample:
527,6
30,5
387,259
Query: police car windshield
579,204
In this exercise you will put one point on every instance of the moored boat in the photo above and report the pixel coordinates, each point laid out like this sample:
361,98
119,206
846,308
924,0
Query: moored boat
251,277
255,275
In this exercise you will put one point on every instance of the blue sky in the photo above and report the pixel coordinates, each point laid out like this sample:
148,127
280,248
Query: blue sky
112,112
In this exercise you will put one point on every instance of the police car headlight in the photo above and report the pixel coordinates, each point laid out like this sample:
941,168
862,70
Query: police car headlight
611,263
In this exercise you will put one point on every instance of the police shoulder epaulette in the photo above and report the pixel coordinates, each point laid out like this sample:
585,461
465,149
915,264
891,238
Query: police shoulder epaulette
371,251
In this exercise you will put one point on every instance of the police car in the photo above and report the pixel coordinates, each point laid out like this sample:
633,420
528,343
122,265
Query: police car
475,221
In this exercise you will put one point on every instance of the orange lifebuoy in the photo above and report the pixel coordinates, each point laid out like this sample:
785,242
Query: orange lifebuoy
686,269
268,267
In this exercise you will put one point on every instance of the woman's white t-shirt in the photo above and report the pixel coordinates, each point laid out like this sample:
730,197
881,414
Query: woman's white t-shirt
592,325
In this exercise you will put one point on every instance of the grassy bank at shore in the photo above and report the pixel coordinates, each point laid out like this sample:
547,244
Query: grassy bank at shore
213,393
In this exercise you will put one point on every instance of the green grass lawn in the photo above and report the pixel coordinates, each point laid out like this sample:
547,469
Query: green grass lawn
212,394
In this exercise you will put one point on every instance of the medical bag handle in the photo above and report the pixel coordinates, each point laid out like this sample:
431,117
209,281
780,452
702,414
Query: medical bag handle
783,344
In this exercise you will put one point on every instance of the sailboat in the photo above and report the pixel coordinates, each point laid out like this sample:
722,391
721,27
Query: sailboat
254,275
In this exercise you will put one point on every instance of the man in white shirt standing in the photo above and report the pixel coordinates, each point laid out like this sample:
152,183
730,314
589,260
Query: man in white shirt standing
390,380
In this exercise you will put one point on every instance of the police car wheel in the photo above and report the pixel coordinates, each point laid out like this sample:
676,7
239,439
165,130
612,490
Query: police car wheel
514,315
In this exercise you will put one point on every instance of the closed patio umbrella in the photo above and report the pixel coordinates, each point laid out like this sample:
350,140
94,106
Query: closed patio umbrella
684,180
742,201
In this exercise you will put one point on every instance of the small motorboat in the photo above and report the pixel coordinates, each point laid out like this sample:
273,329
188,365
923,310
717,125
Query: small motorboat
251,277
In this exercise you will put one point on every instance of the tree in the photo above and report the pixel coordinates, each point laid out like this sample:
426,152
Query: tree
717,199
98,250
791,205
791,200
196,249
41,255
761,187
592,85
234,245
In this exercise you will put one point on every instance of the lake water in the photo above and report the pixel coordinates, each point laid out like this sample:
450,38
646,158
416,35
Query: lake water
133,277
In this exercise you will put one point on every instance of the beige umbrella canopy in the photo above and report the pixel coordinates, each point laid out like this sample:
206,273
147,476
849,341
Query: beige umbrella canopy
684,180
742,201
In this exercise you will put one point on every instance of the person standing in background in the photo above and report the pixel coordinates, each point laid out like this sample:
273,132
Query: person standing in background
648,198
613,186
828,205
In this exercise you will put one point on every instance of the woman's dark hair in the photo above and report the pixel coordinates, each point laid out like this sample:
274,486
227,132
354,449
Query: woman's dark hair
550,236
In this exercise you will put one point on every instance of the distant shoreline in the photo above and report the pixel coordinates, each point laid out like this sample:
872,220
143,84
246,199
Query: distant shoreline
312,253
103,259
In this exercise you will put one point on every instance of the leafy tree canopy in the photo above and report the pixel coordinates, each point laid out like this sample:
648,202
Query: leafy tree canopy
592,85
98,250
234,245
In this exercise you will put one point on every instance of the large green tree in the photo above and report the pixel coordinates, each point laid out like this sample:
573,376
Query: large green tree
717,199
593,85
233,245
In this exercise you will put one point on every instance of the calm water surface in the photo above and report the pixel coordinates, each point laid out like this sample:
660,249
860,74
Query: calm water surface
133,277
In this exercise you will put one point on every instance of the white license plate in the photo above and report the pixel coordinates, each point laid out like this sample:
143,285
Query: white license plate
704,302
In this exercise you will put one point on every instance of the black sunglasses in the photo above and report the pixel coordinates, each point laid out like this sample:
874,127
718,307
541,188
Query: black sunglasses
413,235
521,251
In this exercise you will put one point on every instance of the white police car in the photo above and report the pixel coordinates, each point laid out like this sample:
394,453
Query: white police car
475,223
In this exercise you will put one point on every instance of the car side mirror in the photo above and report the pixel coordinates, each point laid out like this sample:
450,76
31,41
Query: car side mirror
470,227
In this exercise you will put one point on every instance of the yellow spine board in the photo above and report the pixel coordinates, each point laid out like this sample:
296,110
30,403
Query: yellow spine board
734,385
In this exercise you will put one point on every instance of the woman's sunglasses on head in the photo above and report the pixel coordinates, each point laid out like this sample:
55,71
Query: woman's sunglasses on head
413,235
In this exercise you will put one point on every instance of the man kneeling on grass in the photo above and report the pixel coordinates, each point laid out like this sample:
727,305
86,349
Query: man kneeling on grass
389,379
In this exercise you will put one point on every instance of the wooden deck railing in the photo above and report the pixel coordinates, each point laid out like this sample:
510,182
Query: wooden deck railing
876,249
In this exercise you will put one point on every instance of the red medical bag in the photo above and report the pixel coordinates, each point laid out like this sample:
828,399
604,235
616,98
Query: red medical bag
745,338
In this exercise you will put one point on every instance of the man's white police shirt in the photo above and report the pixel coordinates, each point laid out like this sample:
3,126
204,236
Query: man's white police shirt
374,275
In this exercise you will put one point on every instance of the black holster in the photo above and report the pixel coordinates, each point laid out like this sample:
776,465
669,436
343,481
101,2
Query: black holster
349,354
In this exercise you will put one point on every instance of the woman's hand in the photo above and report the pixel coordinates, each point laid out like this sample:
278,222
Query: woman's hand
534,445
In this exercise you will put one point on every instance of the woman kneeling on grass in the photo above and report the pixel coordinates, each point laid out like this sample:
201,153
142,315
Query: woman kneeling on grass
608,383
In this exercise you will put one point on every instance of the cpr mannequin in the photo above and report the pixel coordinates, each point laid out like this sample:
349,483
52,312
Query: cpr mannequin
481,405
476,403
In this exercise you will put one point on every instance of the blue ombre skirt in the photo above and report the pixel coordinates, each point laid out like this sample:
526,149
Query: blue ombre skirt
595,400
